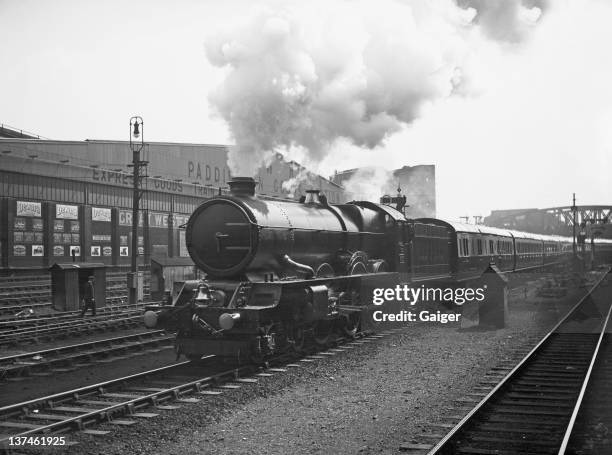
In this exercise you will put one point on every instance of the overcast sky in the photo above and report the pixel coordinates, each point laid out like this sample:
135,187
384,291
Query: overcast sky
512,104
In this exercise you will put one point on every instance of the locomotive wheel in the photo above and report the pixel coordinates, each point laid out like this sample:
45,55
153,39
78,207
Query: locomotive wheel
357,263
325,271
298,339
358,268
256,358
380,266
322,332
352,324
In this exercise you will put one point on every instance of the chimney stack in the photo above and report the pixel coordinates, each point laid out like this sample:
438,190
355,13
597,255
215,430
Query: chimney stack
242,186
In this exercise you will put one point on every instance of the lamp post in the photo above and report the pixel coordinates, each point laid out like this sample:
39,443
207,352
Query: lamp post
136,145
574,220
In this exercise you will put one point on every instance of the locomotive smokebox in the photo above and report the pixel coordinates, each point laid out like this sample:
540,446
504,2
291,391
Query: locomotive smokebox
242,186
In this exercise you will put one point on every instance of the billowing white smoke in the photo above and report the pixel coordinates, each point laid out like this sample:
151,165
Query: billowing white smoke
294,184
369,183
506,20
357,71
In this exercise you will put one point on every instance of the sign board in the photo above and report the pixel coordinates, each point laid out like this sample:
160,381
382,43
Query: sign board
26,208
67,212
100,214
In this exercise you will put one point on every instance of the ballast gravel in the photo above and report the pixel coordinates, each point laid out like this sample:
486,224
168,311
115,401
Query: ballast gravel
370,399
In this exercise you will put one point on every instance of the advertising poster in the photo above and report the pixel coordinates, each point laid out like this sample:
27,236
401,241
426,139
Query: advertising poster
19,223
101,214
25,208
67,212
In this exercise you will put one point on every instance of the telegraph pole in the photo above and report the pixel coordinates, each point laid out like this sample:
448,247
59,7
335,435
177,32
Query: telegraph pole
574,225
136,145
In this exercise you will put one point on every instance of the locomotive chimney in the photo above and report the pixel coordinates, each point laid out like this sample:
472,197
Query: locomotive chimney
242,186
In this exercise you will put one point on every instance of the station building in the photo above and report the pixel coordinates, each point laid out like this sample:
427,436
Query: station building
60,199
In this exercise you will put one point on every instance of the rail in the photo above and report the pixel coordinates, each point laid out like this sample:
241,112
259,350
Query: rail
78,408
447,445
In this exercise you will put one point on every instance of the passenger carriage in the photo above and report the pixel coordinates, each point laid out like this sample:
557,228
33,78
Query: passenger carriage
528,250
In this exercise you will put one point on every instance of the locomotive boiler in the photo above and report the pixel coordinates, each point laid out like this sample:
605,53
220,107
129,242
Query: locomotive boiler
242,236
280,273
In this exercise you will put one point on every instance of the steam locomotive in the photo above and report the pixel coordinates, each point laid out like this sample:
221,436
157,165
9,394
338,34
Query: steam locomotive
282,274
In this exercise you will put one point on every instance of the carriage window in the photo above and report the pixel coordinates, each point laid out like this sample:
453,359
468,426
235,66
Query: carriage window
491,247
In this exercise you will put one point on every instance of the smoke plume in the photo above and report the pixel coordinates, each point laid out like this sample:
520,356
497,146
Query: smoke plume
369,183
360,72
506,20
308,78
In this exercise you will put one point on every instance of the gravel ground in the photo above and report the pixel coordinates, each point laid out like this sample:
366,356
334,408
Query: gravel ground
367,400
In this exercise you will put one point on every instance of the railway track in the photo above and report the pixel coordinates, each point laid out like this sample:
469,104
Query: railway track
69,358
122,400
72,328
9,311
591,432
44,319
15,309
532,409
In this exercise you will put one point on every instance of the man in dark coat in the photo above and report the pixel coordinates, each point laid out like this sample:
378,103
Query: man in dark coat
89,297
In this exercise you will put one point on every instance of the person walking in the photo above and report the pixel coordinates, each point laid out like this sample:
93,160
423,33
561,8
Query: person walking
89,297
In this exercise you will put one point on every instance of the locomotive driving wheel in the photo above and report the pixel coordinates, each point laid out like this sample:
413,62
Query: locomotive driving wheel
352,324
256,358
357,263
358,268
297,340
325,270
322,332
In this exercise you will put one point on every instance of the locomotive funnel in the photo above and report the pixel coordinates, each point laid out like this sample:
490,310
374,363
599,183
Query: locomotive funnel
242,186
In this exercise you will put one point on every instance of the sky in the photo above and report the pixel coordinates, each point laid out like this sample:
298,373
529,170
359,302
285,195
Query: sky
512,102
